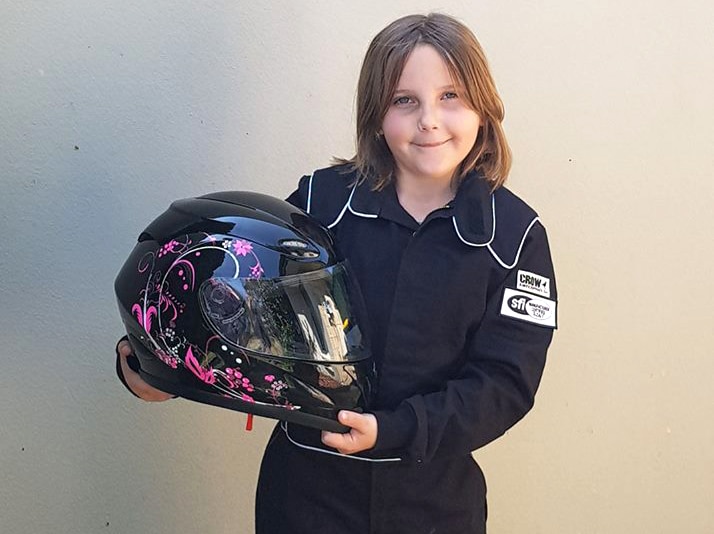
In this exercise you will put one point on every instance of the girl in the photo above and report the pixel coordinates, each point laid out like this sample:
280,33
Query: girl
458,283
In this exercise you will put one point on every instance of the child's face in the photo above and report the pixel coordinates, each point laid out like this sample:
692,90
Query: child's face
429,127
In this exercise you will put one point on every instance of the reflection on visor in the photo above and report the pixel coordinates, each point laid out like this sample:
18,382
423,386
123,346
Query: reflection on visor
308,316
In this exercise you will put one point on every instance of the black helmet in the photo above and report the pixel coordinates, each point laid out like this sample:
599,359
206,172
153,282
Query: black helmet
240,300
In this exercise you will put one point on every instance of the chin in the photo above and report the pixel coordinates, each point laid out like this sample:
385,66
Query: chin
435,174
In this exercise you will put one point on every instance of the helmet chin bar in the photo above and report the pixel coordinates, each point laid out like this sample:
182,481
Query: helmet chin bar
292,415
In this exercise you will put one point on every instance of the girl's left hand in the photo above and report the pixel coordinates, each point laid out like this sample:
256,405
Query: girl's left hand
363,435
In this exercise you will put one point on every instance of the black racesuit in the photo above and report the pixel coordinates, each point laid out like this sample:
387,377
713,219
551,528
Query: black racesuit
462,311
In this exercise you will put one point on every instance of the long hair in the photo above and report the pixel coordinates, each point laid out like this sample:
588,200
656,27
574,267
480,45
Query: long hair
467,64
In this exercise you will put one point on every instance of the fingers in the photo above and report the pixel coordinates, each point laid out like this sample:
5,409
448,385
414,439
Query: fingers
363,435
357,421
341,442
124,348
134,381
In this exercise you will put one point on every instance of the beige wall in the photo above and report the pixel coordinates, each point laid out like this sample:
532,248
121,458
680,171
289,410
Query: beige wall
109,111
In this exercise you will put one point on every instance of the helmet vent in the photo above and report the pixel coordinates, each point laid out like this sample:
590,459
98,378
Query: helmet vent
145,236
298,248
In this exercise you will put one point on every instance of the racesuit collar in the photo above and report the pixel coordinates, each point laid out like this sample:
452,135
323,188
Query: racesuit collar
472,210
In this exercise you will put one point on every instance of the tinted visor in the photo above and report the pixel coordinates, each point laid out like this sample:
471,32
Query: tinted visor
311,316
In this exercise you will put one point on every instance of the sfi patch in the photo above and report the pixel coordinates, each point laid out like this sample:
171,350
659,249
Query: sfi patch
527,307
533,283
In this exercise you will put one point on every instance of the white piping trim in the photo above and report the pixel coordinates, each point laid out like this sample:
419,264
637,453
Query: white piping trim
493,233
520,247
348,206
284,426
309,193
344,209
359,214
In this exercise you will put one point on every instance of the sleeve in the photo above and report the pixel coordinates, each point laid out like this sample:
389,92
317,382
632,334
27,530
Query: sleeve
505,357
299,197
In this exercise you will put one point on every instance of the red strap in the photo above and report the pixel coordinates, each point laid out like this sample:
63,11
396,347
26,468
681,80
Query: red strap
249,423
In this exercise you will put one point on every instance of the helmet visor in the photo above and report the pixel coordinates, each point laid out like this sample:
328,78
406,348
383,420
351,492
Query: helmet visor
310,316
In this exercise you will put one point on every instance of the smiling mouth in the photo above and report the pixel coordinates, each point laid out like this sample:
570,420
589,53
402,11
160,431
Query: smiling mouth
431,145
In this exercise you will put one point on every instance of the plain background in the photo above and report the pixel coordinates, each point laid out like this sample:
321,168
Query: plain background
109,111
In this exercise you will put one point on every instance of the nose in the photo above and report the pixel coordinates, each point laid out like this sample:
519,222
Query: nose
428,118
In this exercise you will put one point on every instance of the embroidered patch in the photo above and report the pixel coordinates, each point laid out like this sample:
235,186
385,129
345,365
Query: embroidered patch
533,283
529,308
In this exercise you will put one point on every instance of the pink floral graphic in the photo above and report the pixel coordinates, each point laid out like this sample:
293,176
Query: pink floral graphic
237,380
276,390
169,360
161,307
173,247
242,248
205,375
144,317
190,272
167,303
257,270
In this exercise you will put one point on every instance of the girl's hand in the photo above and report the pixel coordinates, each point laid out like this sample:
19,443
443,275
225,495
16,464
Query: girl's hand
134,381
362,437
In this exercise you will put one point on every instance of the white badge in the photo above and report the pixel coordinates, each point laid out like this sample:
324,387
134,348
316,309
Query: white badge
533,283
529,308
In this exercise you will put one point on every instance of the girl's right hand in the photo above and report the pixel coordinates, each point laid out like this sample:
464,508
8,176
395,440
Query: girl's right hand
140,388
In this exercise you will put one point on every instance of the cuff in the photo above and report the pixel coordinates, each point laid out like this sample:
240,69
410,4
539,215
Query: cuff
395,429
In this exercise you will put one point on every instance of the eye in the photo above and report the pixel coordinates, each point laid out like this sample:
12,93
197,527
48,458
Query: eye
401,101
449,95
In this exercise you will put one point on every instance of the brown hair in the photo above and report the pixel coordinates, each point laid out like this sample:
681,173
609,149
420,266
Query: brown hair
381,69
